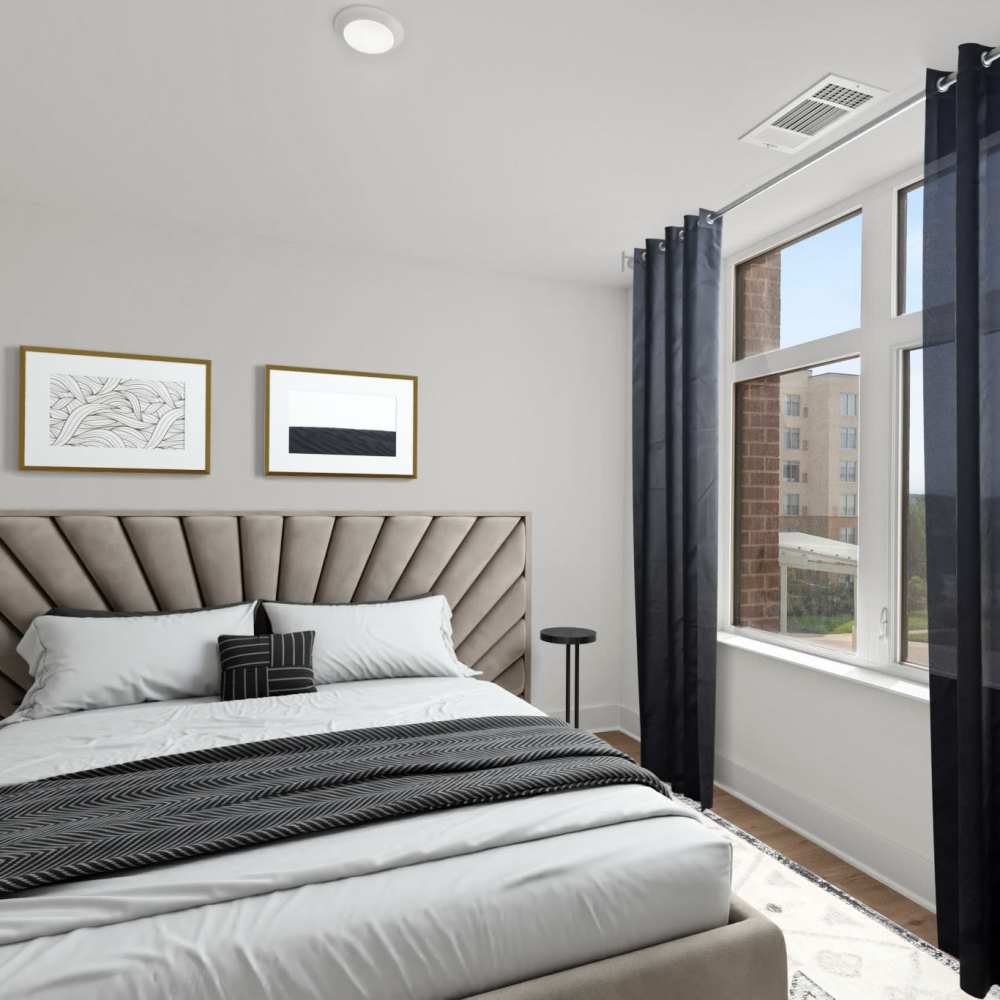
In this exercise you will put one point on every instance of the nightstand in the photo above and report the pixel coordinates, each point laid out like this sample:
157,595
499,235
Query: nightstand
572,638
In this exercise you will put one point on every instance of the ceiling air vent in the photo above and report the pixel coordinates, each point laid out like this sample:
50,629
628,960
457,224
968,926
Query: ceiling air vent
832,101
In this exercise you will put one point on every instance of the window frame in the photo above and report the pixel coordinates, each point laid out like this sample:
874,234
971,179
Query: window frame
899,257
879,342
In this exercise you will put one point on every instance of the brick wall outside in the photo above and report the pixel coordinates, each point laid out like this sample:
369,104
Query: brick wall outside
758,305
758,444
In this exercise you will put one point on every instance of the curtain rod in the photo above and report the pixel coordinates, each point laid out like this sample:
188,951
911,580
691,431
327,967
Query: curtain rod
912,101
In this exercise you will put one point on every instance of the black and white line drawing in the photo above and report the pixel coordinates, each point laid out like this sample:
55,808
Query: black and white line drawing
97,412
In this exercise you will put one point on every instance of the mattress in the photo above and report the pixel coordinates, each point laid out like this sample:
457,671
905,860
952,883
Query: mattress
440,905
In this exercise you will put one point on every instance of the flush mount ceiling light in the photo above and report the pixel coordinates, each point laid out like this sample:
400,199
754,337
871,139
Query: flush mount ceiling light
369,30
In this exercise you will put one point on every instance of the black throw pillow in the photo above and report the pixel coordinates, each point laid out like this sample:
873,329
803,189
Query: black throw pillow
259,666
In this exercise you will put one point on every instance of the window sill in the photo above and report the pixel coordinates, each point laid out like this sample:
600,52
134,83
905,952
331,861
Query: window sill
865,676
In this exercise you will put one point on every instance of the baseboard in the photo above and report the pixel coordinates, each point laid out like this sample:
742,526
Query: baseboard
594,718
629,722
890,863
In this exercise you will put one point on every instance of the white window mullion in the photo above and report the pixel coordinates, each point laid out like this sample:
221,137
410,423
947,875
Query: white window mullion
875,439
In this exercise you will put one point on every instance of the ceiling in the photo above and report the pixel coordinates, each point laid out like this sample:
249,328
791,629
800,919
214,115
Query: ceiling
530,136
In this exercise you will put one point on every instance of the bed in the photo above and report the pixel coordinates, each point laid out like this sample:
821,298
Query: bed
594,893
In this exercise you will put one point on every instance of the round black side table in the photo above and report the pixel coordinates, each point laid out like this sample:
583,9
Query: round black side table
575,638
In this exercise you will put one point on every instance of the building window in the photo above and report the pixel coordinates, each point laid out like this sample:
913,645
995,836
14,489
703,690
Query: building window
791,438
913,551
910,250
849,505
790,578
849,535
849,438
848,404
792,405
848,472
800,291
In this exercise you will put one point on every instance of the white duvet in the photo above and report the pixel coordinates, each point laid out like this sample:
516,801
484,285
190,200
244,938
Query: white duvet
435,906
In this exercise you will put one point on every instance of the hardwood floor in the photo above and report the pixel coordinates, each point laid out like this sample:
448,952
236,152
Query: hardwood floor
879,897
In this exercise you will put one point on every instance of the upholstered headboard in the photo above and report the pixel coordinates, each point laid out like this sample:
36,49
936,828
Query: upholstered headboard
175,561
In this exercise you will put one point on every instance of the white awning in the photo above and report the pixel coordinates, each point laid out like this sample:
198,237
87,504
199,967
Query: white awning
802,551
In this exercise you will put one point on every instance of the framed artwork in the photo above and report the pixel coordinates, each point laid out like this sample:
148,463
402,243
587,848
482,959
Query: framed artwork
97,411
319,422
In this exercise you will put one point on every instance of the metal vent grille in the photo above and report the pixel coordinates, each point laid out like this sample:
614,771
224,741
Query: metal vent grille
809,117
828,103
844,96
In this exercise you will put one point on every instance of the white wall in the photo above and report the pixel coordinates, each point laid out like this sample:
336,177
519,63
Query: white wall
522,390
845,763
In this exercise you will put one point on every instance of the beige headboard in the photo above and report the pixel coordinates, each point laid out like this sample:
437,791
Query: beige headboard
138,561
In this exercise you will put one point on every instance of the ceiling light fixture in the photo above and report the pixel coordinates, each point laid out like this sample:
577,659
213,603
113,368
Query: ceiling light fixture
369,30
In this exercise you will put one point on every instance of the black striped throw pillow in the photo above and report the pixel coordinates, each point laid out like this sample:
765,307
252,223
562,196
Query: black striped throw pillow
259,666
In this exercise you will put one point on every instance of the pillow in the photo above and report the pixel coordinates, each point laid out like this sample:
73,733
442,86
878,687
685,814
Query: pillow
262,626
361,642
258,666
101,662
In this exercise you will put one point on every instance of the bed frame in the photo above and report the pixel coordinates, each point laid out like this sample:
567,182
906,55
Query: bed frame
153,561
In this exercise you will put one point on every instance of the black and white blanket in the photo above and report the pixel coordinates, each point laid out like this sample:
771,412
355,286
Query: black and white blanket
161,809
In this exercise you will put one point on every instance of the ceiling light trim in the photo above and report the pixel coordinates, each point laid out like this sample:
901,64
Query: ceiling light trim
371,45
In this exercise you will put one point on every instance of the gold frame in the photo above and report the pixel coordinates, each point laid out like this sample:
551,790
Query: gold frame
23,467
334,371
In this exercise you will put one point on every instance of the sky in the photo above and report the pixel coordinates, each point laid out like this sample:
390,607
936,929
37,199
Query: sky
821,284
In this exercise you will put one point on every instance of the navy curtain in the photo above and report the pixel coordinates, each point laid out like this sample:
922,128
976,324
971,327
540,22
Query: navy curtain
962,459
675,434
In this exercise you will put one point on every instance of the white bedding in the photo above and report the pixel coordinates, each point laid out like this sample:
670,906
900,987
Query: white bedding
428,907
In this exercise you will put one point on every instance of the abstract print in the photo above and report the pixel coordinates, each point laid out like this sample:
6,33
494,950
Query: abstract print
90,411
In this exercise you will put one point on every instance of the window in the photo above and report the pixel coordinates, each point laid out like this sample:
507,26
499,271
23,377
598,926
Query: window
791,435
789,576
910,250
801,291
913,562
805,323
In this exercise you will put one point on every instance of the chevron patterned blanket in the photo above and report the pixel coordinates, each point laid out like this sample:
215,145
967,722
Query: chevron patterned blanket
162,809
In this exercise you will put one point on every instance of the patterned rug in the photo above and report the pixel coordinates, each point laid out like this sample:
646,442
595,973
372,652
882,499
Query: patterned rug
838,948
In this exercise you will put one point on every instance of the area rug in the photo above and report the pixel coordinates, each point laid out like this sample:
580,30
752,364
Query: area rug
838,948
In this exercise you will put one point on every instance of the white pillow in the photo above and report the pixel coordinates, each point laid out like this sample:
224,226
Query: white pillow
101,662
360,642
